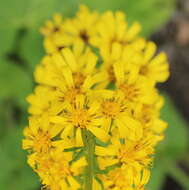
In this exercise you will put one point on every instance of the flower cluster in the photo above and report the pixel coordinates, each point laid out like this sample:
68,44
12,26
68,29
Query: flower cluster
95,113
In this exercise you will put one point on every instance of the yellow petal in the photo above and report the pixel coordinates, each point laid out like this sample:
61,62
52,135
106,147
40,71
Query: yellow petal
73,183
99,133
88,83
119,72
133,31
80,99
79,141
123,130
54,130
58,120
134,127
94,107
102,151
64,185
150,51
68,76
78,164
96,185
69,58
105,162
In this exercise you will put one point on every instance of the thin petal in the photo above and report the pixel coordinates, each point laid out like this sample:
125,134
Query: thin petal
99,133
102,151
79,141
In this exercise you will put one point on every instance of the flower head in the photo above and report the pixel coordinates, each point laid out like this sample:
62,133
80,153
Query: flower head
39,135
57,171
114,28
82,115
83,26
95,112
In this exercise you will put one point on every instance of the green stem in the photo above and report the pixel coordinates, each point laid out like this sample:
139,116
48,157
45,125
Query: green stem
179,175
89,143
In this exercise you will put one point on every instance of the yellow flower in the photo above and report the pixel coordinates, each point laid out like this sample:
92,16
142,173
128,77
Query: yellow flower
80,116
54,34
154,68
128,55
149,116
113,28
67,74
58,172
83,26
125,178
69,68
95,112
39,134
135,154
40,100
52,27
135,88
56,43
117,114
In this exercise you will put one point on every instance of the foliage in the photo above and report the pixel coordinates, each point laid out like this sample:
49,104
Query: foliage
172,149
21,49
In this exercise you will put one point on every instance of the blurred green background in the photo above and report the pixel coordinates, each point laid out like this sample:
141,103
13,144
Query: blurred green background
21,49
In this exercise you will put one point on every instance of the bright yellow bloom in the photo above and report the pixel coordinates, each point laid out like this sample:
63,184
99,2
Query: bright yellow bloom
153,68
52,27
61,33
134,87
39,135
80,116
57,171
113,29
40,100
66,75
148,115
125,179
133,154
83,26
95,112
116,113
54,34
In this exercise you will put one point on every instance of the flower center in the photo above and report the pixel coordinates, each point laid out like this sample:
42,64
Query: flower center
111,108
124,154
71,94
120,41
111,74
42,142
146,115
131,92
80,118
78,79
143,70
118,178
55,166
84,36
62,169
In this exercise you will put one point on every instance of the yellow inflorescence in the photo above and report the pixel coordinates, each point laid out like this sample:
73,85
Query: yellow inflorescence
96,108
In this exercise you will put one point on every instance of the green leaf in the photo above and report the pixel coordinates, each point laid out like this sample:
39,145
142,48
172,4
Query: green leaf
151,14
173,147
176,141
21,13
32,49
158,175
177,173
15,82
7,39
14,165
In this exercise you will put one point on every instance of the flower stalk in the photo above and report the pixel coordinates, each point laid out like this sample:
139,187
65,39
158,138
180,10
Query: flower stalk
89,144
94,117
